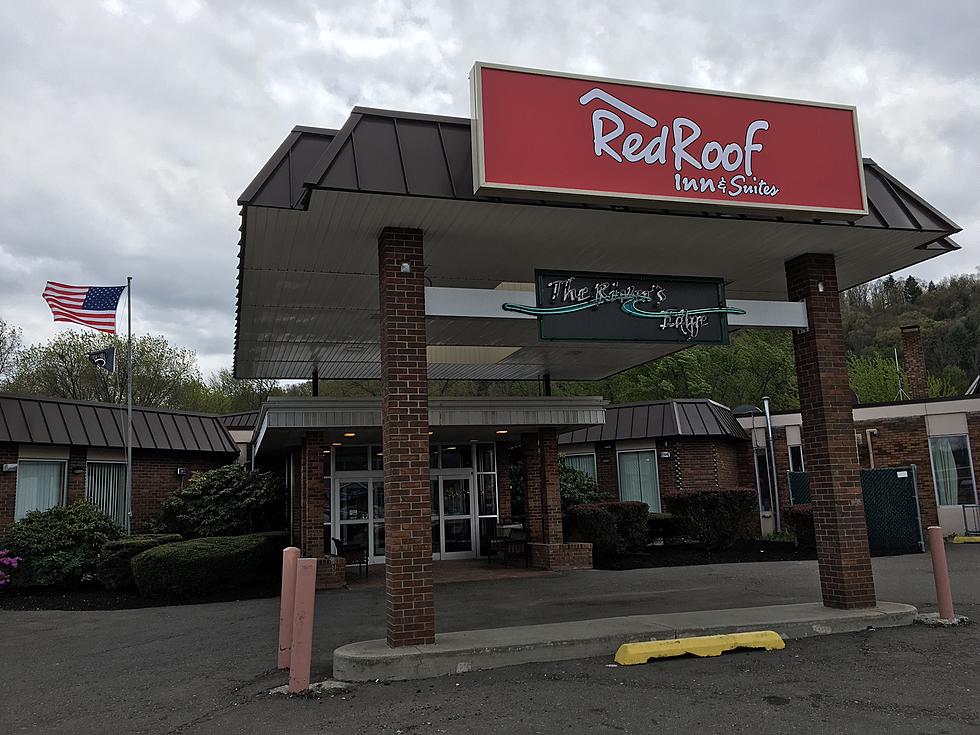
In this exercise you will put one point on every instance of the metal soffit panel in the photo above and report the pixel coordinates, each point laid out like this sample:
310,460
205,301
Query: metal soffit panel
31,420
308,259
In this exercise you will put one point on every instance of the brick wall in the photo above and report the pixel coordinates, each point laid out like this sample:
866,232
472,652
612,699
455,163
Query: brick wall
409,607
505,509
551,518
533,511
698,463
607,470
8,485
155,478
828,435
915,363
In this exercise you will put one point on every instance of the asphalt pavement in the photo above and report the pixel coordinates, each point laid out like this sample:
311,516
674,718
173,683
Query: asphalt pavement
207,668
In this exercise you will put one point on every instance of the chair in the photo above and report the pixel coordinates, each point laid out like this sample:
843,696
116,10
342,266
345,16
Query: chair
355,554
510,542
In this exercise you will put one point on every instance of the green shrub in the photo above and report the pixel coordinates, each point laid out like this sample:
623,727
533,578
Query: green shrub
631,524
188,569
799,518
595,524
717,518
226,501
576,487
663,525
114,569
59,546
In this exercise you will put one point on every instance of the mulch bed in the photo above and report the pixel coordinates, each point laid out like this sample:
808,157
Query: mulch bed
93,597
680,555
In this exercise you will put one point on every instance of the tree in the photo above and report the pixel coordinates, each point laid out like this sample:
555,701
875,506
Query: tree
163,375
912,290
11,343
873,378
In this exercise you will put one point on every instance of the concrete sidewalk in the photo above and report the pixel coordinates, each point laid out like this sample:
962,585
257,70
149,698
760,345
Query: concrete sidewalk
494,648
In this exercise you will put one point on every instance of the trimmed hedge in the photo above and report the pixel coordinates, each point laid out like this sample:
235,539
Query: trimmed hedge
663,526
114,569
611,528
717,518
59,546
188,569
799,518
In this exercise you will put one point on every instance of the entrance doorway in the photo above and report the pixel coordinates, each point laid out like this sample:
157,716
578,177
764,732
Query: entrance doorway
452,517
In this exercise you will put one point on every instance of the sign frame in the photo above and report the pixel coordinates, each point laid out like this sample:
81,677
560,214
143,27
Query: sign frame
482,187
541,273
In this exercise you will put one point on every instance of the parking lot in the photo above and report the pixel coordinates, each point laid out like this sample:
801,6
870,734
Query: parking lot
207,668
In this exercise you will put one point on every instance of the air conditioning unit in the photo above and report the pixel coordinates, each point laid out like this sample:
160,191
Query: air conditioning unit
12,467
181,470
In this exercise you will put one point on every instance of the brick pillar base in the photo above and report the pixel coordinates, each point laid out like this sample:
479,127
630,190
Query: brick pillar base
312,496
846,579
409,607
331,572
560,557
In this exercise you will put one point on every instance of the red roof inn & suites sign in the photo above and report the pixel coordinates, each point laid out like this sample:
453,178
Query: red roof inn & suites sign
588,138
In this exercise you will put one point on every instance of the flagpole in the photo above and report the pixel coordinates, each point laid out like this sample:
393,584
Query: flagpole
129,403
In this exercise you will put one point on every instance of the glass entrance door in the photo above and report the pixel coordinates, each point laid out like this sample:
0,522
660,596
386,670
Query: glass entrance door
452,517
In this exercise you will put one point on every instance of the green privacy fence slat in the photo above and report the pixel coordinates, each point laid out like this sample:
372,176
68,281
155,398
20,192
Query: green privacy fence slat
891,506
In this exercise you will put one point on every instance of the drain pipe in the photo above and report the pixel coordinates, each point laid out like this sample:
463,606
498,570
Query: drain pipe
771,451
871,450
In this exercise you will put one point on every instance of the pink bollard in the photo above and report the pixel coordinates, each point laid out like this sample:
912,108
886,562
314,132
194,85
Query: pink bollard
301,651
286,600
940,571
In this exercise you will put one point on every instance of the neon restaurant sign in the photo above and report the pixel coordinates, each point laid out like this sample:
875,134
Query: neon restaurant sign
586,138
605,306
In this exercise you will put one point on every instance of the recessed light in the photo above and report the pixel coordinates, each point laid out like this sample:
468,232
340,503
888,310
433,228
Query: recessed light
335,444
379,454
451,449
501,431
430,433
349,434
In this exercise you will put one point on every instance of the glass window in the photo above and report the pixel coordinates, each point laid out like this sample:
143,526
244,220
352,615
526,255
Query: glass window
488,494
434,486
379,539
105,486
379,500
952,470
40,485
350,459
763,479
377,459
582,462
328,502
326,463
638,478
353,501
486,458
796,458
458,535
456,497
354,533
456,456
433,456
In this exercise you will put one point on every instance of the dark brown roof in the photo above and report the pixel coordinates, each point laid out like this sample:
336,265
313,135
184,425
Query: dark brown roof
241,420
36,420
388,152
695,417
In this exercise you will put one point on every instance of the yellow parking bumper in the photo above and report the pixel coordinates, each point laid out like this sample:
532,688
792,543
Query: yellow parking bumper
706,645
966,539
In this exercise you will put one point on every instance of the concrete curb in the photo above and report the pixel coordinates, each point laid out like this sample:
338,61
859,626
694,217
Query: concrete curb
458,653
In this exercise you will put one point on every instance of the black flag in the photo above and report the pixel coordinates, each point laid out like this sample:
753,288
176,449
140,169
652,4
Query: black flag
105,359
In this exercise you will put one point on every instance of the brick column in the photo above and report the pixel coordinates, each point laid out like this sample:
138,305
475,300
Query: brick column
76,474
915,363
312,496
405,421
550,488
532,487
505,509
846,578
8,485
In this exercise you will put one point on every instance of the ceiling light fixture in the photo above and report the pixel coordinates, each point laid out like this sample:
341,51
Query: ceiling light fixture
501,431
350,434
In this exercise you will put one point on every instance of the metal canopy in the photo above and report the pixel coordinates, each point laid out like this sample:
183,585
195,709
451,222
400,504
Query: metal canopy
308,292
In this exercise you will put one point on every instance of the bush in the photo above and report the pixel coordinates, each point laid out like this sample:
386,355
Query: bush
663,525
59,546
188,569
8,563
595,524
577,488
611,528
799,518
717,518
226,501
631,524
114,569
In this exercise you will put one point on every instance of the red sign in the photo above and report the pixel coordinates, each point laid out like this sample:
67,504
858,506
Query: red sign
537,131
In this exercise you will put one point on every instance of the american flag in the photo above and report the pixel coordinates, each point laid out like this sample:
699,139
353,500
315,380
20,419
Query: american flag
92,306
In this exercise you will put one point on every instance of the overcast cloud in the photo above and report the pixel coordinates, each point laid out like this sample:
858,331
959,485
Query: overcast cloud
128,130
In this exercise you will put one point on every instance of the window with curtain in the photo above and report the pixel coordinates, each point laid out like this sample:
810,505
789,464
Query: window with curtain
40,485
583,463
952,470
796,458
638,478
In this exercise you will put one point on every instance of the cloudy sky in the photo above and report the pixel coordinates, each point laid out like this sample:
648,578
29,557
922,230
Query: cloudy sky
128,129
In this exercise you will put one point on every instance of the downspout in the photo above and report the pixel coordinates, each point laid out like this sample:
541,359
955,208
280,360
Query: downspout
771,450
871,451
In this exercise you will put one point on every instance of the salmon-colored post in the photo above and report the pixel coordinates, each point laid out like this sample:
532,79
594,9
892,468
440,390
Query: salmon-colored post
286,599
301,651
940,570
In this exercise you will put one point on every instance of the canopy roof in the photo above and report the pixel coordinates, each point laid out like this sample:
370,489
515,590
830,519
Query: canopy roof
307,289
688,417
